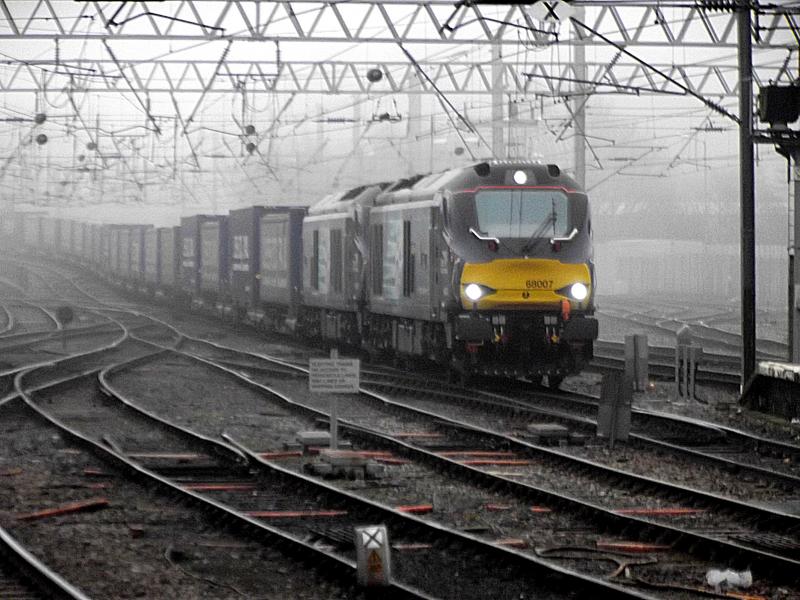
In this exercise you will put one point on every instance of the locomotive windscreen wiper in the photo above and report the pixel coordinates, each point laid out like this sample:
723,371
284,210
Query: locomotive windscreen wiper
537,235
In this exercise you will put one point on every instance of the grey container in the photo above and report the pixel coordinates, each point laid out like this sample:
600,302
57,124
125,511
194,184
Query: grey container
137,264
50,233
124,251
151,259
169,257
32,230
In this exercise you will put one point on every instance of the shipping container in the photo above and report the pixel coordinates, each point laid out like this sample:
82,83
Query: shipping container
95,233
191,259
152,271
16,227
50,234
119,257
214,259
85,240
107,241
281,257
8,225
243,230
76,247
113,250
124,252
32,230
137,233
64,236
169,255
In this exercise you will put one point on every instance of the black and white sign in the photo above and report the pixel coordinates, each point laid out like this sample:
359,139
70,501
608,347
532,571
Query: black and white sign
333,375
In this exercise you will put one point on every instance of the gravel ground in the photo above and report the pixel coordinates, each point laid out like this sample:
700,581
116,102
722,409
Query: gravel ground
142,545
265,425
720,406
228,410
716,405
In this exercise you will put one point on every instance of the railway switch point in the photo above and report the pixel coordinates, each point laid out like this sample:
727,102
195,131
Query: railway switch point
342,458
345,464
548,433
308,439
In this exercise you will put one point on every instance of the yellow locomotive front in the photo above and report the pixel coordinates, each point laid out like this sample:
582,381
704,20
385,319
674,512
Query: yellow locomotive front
520,241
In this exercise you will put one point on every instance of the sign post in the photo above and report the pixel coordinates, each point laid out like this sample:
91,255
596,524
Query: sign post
333,376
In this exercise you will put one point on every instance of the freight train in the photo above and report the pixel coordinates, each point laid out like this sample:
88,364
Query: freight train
485,269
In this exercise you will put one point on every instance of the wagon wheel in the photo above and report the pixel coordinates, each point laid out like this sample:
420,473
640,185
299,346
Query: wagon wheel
536,380
457,374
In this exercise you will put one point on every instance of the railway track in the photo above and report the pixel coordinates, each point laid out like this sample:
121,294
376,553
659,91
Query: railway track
764,463
187,547
722,347
467,442
24,577
166,450
734,448
29,319
284,370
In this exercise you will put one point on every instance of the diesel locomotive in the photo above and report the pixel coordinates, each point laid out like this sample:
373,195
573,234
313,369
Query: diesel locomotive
485,268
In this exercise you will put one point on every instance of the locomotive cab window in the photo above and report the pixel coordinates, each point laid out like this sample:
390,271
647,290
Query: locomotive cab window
522,213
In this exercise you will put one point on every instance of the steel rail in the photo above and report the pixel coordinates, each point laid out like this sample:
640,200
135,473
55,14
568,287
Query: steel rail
37,337
591,401
9,318
245,525
42,577
765,559
505,554
493,400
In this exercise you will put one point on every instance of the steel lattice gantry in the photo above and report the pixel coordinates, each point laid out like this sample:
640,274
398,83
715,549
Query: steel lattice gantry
366,21
646,28
337,77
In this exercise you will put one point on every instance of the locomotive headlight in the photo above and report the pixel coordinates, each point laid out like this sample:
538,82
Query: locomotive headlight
473,291
579,291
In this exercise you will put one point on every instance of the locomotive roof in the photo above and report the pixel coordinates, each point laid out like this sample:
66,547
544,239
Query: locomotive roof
482,174
424,186
344,201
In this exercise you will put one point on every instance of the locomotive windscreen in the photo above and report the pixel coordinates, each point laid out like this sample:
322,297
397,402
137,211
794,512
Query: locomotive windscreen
522,213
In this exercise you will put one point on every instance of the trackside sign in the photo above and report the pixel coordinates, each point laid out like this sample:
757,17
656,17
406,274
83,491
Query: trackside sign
333,375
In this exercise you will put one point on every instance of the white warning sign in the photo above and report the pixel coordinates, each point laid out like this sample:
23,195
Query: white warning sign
333,375
373,561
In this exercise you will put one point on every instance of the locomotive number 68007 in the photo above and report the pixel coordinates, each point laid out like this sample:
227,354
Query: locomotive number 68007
539,284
